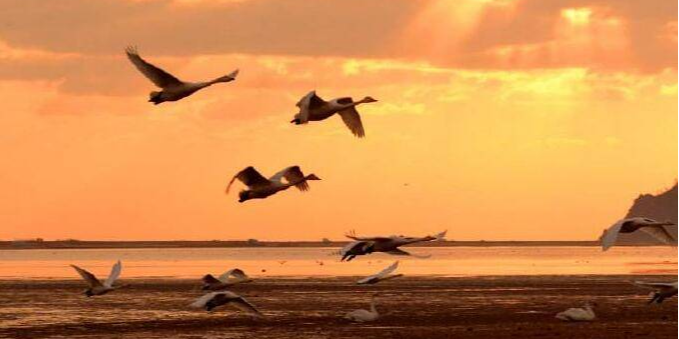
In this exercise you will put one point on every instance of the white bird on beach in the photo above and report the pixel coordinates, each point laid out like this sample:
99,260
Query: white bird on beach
656,229
313,108
362,315
585,313
389,245
96,286
661,291
173,89
213,300
229,278
381,276
260,187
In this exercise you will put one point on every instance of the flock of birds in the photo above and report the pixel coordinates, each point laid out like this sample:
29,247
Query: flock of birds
313,108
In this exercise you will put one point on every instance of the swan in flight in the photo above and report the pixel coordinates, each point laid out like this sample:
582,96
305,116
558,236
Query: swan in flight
389,245
173,89
96,286
585,313
313,108
661,291
656,229
381,276
260,187
213,300
229,278
362,315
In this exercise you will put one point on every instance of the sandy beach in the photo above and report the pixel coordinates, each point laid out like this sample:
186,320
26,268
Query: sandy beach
412,307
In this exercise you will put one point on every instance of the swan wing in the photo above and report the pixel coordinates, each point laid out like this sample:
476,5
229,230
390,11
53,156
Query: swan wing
250,177
380,275
237,273
210,279
353,121
115,273
352,235
610,235
245,306
655,286
87,276
308,103
203,300
660,234
291,174
158,76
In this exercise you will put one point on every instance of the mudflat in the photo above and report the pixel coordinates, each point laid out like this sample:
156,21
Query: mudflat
411,307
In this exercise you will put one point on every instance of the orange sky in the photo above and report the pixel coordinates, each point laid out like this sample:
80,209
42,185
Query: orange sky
508,119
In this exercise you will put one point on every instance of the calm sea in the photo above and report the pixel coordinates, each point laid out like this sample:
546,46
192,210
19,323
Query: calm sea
263,262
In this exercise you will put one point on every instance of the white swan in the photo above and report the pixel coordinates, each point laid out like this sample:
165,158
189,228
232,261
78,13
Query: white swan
389,245
654,228
381,276
661,291
229,278
173,89
313,108
260,187
96,286
213,300
362,315
585,313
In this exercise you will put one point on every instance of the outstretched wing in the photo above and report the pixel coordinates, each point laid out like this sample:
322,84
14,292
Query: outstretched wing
250,177
115,273
243,305
309,102
352,235
158,76
292,174
660,234
381,274
398,251
610,235
237,273
655,286
87,276
352,119
202,301
210,279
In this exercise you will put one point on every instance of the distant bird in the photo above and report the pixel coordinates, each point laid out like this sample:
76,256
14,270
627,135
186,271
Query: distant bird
362,315
656,229
585,313
260,187
96,287
320,263
313,108
229,278
389,245
661,291
173,89
213,300
282,262
381,276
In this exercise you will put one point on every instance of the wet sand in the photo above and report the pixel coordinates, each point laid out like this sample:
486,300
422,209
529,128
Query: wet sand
412,307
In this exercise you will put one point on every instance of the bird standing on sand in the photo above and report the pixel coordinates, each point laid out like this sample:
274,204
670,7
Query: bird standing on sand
313,108
173,89
381,276
585,313
661,291
362,315
96,286
229,278
213,300
260,187
656,229
389,245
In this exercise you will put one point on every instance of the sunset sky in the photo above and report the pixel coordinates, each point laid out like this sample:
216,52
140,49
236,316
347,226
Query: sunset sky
496,120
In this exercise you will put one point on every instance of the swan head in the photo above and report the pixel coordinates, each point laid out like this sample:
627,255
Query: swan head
244,196
368,99
155,97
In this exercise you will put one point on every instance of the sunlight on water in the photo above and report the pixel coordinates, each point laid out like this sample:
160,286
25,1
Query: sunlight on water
262,262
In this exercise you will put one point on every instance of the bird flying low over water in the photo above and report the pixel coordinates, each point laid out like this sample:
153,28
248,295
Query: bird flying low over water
389,245
362,316
585,313
229,278
213,300
313,108
260,187
381,276
656,229
173,89
661,291
96,287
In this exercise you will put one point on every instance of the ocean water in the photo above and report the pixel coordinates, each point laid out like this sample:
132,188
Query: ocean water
324,262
